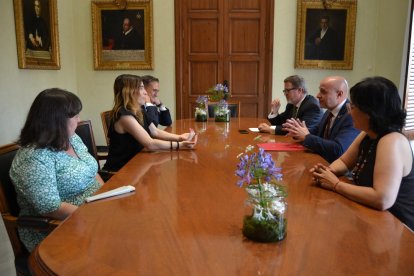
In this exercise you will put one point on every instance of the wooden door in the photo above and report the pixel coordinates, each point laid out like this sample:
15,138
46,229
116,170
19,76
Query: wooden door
219,40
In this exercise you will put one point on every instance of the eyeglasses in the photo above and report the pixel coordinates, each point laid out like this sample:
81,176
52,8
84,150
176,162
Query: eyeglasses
288,90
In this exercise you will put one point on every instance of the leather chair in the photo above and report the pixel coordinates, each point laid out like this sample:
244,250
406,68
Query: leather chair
234,109
106,121
9,209
85,132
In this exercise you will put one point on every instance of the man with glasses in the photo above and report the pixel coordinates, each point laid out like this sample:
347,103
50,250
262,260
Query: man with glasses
336,131
300,105
155,111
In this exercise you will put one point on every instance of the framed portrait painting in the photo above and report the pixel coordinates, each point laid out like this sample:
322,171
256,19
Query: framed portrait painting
122,34
37,34
325,34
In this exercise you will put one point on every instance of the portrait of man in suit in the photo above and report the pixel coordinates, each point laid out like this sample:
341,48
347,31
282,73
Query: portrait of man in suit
123,30
325,34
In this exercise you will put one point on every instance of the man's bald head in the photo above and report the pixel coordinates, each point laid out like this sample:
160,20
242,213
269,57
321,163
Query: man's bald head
333,90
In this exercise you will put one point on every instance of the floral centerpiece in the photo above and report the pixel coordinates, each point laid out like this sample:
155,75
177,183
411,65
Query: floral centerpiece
219,92
201,111
222,112
258,174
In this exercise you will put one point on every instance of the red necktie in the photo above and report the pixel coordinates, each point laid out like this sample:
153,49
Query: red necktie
327,125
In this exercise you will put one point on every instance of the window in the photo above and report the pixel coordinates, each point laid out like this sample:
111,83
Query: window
409,83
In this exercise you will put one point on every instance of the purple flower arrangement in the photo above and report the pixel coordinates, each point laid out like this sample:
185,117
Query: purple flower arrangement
201,110
219,92
266,221
258,168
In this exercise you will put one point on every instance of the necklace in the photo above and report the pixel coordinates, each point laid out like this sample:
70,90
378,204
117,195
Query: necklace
362,161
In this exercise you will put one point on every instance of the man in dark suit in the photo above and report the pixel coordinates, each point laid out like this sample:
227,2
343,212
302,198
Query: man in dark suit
336,131
323,43
38,31
129,39
300,105
156,112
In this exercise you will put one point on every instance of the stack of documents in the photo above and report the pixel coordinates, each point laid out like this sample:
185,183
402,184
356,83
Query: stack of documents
114,192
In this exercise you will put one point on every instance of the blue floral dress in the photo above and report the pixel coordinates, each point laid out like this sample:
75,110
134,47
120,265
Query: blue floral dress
43,179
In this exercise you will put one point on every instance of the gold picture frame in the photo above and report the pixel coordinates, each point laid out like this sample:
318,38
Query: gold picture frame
37,34
116,48
332,48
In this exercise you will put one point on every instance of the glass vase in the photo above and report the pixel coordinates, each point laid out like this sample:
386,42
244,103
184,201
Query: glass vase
201,114
265,220
222,112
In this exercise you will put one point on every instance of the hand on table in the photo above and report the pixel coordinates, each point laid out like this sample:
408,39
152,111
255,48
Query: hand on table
324,176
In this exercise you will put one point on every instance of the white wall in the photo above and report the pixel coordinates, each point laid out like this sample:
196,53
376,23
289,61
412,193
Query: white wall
18,87
378,51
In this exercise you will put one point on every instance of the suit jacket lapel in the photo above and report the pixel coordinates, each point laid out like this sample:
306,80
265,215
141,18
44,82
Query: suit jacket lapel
299,113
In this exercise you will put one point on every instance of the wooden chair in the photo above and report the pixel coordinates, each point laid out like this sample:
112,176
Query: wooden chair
85,132
9,209
106,121
233,106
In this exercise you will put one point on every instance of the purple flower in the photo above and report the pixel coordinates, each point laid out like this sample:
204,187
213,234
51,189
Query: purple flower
202,101
257,168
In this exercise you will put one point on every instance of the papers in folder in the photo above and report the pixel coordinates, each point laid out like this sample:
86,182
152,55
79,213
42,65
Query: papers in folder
114,192
281,146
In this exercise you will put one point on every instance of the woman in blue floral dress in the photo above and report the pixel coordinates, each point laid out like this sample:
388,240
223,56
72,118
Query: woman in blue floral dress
52,172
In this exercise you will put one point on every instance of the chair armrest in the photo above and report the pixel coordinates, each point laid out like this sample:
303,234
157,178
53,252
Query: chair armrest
105,175
102,148
42,224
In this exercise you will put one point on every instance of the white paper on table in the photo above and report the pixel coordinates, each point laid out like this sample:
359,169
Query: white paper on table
253,129
114,192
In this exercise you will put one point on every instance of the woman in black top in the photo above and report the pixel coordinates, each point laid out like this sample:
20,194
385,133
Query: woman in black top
381,158
130,131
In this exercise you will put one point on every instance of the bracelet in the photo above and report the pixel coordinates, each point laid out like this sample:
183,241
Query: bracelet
159,105
178,145
334,186
170,145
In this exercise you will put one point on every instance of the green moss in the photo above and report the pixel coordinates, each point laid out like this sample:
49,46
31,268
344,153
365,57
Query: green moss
264,230
201,118
222,118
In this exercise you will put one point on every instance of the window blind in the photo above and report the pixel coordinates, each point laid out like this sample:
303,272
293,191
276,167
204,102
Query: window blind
409,84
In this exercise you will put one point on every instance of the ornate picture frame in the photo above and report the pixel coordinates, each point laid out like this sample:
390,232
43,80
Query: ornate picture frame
325,34
122,34
37,34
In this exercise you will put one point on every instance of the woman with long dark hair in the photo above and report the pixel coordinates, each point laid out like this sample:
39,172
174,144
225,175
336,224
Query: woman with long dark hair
53,171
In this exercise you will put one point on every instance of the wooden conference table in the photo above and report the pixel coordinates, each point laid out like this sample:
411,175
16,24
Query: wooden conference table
185,218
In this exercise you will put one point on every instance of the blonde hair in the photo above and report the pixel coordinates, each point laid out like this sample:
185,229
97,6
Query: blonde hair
125,86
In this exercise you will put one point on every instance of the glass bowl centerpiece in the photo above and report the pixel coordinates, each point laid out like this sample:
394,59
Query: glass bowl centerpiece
265,220
220,94
201,111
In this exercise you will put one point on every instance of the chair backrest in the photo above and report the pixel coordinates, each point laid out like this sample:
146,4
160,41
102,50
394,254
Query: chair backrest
8,197
9,207
85,132
106,121
234,109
